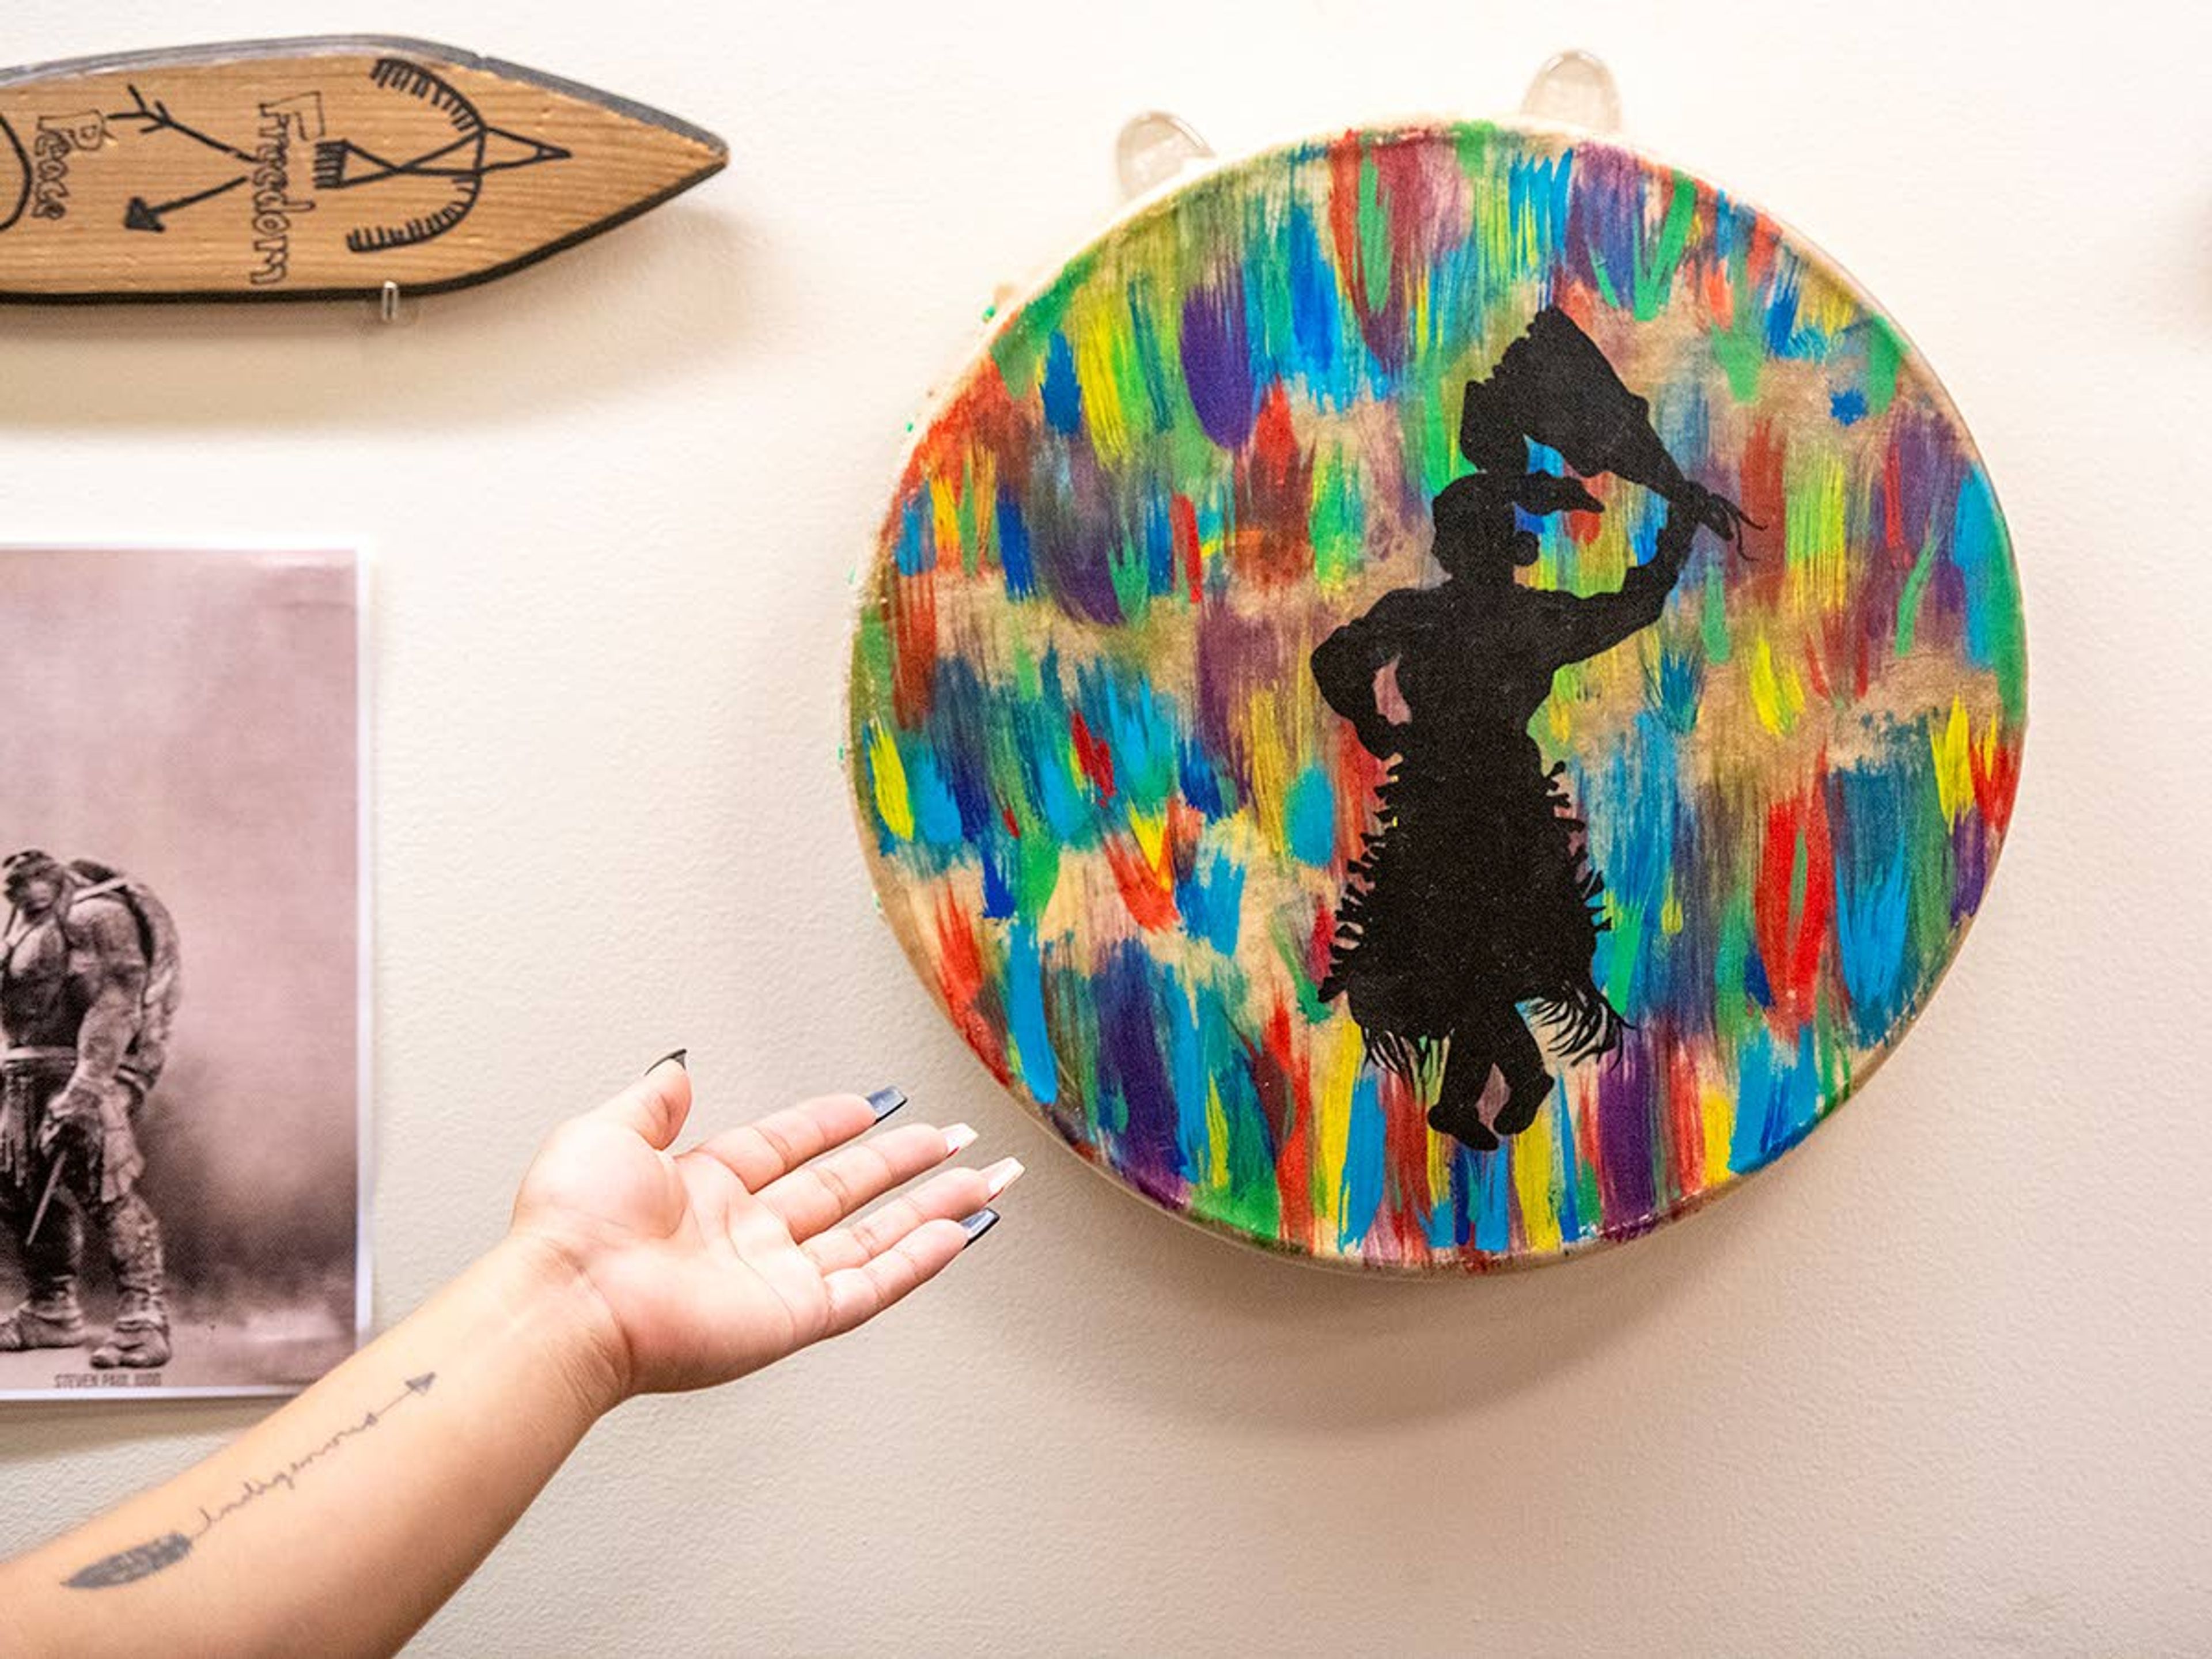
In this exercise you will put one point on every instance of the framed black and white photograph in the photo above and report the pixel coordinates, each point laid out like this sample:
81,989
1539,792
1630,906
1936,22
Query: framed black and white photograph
182,989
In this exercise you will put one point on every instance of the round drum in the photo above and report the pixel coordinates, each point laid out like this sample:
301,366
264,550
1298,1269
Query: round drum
1438,698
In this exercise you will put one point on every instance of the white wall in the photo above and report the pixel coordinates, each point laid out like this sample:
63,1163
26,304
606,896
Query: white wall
1935,1384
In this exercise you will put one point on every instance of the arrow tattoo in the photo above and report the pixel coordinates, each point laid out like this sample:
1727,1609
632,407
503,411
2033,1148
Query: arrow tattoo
142,1560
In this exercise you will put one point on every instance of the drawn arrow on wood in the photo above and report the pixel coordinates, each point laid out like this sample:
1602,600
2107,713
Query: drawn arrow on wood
362,157
142,214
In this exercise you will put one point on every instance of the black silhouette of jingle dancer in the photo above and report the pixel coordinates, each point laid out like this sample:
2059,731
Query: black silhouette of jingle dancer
1474,893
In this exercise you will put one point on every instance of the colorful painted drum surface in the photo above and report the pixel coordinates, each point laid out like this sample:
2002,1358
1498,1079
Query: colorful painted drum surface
1438,698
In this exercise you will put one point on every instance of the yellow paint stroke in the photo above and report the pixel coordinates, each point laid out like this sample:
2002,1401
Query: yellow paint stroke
1559,710
1717,1110
1271,767
1955,770
1418,320
1442,1149
1537,1179
945,520
1216,1152
1343,1054
979,492
1813,545
1987,748
1151,829
893,804
1827,307
1097,326
1779,698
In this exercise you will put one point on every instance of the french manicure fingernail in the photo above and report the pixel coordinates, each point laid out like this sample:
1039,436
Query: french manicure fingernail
977,1225
1002,1175
883,1102
958,1138
675,1054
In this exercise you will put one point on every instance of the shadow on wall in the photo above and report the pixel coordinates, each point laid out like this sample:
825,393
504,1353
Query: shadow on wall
664,296
1300,1346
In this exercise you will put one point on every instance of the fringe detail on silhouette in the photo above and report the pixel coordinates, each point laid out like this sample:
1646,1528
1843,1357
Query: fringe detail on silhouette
1463,895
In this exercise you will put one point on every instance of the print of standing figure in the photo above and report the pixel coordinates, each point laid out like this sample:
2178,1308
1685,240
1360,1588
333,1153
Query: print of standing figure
1474,895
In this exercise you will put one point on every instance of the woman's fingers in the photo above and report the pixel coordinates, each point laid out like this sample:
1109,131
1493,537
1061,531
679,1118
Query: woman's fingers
859,1294
756,1153
655,1106
948,1197
820,1195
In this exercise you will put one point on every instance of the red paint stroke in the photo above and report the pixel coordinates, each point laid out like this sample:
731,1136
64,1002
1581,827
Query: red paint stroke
1093,756
1892,506
983,416
1997,778
1765,500
1382,328
913,606
1719,298
1287,1100
1179,848
1759,255
1683,1112
1321,943
1791,937
1406,1200
1272,543
1831,637
1184,519
1584,304
960,977
1583,528
1148,893
1148,886
1583,1115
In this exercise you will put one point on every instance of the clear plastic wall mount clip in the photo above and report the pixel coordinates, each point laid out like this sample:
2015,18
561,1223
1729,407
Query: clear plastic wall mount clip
1574,90
392,307
1152,149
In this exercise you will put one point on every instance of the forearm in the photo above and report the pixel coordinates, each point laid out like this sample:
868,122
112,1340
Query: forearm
104,1036
340,1523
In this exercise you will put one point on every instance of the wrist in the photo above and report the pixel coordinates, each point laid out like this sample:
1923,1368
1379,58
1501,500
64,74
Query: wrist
557,1301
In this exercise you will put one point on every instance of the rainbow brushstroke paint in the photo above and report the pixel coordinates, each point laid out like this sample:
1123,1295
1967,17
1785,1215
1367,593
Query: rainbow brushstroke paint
1110,816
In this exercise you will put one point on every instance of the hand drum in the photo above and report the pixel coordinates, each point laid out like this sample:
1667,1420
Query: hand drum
1424,891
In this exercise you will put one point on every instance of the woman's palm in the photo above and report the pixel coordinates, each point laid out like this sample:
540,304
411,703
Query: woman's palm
719,1260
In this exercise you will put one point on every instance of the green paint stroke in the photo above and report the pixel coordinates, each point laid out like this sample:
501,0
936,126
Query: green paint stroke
1908,602
1337,523
1654,277
1374,233
1885,351
1733,1012
1131,568
1020,348
1712,618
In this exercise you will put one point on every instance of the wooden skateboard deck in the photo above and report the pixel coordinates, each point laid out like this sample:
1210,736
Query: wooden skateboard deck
313,169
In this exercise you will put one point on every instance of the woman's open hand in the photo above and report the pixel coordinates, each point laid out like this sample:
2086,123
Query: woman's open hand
721,1259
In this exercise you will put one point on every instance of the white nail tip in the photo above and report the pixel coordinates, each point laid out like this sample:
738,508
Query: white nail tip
958,1138
1003,1175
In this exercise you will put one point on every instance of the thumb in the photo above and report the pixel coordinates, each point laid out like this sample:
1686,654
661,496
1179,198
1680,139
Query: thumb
654,1106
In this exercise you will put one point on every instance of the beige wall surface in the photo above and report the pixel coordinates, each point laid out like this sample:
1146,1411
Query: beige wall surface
1934,1385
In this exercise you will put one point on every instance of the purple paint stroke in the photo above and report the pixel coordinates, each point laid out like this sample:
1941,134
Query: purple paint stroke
1216,362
